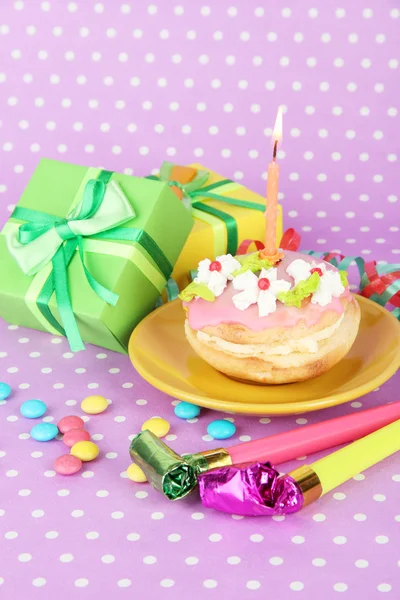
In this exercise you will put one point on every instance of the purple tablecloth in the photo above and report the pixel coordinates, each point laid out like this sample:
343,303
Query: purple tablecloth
124,86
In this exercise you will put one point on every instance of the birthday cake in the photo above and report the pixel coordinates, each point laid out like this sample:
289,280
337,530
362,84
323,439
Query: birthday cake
267,322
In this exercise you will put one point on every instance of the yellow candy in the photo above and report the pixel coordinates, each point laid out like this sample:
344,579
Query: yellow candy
93,405
136,474
86,451
158,426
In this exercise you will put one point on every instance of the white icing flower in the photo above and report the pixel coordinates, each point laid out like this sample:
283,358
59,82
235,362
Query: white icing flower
330,285
215,274
261,290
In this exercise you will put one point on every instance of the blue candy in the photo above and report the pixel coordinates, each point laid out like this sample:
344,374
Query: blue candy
5,390
44,432
33,409
221,429
184,410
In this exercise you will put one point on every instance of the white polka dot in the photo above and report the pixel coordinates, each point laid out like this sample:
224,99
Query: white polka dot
82,582
66,558
340,587
39,582
51,535
276,561
319,517
379,497
361,563
253,584
381,539
210,583
393,63
111,455
13,473
272,36
256,537
92,535
174,537
377,135
124,583
296,586
318,562
107,559
340,539
11,535
215,537
298,539
63,493
25,557
284,61
302,421
77,513
384,587
167,583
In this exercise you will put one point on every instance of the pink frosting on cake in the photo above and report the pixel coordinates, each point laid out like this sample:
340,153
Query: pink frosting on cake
202,313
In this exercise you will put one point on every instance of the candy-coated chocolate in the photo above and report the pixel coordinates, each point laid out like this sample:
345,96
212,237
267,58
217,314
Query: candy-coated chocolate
44,432
33,409
94,405
221,429
70,422
136,474
5,390
86,451
67,464
185,410
158,426
73,436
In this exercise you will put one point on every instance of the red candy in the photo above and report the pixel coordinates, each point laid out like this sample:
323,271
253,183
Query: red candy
316,270
75,435
67,464
263,283
215,266
70,422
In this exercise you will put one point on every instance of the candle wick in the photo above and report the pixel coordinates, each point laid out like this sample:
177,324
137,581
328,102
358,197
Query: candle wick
275,150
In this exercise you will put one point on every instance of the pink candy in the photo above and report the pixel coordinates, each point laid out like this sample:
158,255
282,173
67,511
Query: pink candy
67,464
70,422
73,436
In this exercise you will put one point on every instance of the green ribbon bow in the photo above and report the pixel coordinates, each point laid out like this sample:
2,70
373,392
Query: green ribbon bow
45,238
196,189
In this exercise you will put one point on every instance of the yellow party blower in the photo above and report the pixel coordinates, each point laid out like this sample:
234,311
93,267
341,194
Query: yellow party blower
260,490
331,471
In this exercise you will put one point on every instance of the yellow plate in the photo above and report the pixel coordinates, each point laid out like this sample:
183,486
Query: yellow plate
159,351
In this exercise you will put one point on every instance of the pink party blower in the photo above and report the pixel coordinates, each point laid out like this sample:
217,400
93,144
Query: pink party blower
306,440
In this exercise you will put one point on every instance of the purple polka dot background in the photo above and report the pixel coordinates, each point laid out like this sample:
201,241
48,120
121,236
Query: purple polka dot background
125,86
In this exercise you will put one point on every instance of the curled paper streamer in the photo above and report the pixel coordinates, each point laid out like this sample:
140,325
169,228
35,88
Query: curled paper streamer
257,490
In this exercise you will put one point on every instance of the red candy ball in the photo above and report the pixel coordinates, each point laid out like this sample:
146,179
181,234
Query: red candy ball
215,266
316,270
75,435
67,464
263,283
70,422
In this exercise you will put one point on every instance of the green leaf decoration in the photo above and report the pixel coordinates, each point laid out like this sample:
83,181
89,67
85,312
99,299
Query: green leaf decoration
194,290
302,290
344,278
252,263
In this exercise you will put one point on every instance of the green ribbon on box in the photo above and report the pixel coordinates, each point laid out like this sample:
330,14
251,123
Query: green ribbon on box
44,238
196,189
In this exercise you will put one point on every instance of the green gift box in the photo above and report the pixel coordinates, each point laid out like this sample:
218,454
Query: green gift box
87,252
